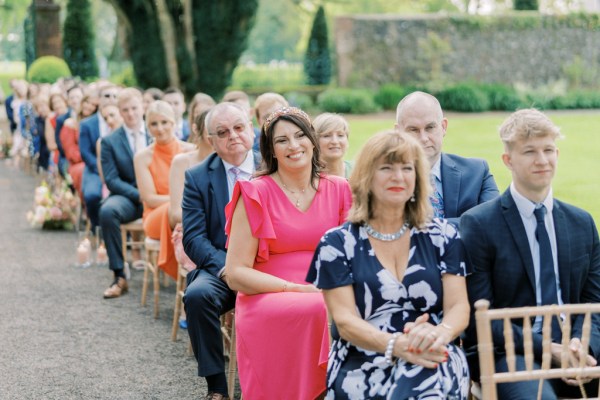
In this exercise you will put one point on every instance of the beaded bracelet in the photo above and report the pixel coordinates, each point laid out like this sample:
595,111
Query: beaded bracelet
389,350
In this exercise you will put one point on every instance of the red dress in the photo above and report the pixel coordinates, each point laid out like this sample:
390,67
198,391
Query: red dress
283,338
69,139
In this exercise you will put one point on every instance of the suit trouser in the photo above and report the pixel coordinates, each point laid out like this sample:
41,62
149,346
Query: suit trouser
115,210
91,187
527,390
206,299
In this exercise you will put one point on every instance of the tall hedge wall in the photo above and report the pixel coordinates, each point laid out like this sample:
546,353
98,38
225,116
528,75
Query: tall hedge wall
523,47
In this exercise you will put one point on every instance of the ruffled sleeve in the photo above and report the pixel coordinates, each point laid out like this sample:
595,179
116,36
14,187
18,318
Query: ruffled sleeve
258,216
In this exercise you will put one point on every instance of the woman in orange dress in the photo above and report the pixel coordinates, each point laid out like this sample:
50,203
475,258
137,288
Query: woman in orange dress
152,166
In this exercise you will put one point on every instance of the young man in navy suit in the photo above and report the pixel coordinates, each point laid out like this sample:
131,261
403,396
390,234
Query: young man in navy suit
90,130
207,190
123,205
526,248
459,183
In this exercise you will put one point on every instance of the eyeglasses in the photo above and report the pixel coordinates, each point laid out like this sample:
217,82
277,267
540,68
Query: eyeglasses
109,95
223,133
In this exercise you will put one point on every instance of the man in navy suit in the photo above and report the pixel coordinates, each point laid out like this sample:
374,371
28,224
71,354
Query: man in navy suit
90,130
123,205
175,98
459,183
527,249
208,188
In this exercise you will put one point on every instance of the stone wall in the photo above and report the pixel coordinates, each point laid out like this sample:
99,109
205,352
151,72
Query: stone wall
527,48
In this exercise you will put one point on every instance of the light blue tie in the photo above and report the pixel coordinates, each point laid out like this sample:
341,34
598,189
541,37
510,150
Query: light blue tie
437,201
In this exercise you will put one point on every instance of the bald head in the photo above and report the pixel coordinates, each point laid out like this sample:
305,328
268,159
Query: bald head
420,115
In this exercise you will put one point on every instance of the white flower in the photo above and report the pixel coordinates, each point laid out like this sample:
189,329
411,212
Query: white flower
329,253
390,289
422,289
349,243
354,385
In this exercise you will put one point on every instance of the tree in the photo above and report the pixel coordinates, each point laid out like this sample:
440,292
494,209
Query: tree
194,43
317,62
525,5
79,40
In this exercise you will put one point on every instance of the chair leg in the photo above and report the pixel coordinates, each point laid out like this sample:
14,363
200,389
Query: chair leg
177,309
156,281
232,372
145,280
124,244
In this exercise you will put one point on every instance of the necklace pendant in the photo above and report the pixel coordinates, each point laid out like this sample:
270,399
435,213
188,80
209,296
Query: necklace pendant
297,203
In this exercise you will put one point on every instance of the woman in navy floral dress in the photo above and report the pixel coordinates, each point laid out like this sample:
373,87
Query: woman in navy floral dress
398,300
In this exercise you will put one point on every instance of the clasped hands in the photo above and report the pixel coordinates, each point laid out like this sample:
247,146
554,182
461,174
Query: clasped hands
576,353
423,344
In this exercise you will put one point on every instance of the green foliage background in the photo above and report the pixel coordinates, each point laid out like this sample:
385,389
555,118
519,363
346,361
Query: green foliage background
79,40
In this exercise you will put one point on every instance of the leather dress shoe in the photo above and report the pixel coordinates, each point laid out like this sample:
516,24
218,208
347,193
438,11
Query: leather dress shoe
215,396
118,287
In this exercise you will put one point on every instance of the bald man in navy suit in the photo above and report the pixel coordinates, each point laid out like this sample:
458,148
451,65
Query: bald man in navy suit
460,183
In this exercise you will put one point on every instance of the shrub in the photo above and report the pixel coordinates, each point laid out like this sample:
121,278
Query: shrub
502,98
79,38
353,101
125,78
464,97
317,62
300,100
48,69
581,99
388,96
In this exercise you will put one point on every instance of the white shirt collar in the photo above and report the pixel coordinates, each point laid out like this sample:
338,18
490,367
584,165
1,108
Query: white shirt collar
247,166
525,206
436,169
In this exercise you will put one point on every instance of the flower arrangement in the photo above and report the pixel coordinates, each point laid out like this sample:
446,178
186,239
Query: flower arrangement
53,208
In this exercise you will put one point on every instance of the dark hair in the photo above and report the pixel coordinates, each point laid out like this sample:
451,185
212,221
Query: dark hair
171,90
269,162
156,93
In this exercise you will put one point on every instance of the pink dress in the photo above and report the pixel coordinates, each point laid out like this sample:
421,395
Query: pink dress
283,338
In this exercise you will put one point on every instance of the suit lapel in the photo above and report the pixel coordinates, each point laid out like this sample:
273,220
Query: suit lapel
125,142
450,185
562,250
515,224
218,182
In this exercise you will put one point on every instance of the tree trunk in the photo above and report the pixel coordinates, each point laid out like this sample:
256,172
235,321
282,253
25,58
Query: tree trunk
167,35
188,23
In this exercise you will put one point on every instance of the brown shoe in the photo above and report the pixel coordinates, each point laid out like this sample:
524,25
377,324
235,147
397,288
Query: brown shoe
118,287
215,396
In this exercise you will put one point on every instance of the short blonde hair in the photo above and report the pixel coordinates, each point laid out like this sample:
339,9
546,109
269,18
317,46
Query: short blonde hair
127,94
525,124
269,100
160,107
390,146
330,122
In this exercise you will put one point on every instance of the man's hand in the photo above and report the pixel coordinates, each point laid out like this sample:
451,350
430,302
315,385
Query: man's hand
576,354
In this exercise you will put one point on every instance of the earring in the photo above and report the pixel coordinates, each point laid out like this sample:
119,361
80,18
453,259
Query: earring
412,198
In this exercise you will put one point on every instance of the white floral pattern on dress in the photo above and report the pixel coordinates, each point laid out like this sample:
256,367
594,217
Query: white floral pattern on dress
345,257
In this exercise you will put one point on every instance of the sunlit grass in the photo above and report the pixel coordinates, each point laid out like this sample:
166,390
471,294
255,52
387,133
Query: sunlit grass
9,70
476,135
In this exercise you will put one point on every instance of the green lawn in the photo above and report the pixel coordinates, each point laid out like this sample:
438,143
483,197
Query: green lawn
476,135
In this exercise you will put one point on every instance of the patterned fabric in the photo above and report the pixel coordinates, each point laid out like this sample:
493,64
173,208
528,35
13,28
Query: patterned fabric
345,257
437,201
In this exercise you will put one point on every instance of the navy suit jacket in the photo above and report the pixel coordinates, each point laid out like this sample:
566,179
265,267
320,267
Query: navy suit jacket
60,121
466,182
117,165
205,195
89,133
10,113
502,267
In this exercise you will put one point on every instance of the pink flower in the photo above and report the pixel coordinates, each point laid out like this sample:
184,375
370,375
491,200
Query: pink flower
56,213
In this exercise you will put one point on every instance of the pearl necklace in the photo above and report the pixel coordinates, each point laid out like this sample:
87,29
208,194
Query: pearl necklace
386,237
293,192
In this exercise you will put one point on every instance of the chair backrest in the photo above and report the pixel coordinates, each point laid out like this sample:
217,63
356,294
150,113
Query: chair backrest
485,346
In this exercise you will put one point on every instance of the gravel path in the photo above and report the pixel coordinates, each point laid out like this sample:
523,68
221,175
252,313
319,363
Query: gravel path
59,339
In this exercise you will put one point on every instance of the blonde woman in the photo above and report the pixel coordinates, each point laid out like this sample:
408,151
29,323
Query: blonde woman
332,131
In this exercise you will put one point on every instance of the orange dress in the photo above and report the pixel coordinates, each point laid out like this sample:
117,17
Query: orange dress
69,138
156,220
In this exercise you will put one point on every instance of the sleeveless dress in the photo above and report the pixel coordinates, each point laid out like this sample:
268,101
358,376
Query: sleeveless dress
283,338
345,257
156,220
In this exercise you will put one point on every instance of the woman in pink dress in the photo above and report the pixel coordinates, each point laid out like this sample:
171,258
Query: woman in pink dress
281,321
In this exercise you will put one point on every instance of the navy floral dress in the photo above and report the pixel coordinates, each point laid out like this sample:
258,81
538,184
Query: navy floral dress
345,257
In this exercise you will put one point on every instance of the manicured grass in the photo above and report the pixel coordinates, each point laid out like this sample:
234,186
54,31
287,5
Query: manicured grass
9,70
476,135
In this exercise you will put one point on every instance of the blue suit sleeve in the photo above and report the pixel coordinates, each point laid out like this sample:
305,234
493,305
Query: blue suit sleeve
87,147
113,181
489,189
196,242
